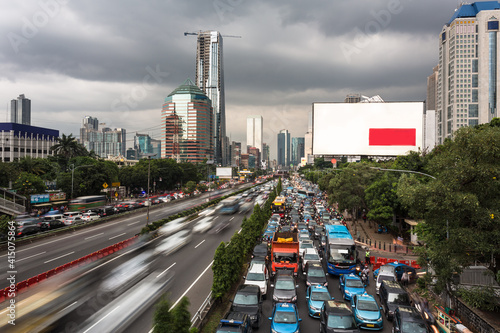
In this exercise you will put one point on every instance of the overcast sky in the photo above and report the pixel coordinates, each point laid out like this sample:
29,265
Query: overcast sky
118,59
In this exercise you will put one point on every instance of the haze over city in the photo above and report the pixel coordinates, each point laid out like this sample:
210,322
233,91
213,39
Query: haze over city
118,60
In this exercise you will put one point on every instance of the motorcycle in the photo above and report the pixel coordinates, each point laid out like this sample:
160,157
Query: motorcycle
382,229
364,279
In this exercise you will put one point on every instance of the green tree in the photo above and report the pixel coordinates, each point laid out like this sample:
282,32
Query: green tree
382,200
4,224
181,317
163,318
28,183
460,207
190,187
221,280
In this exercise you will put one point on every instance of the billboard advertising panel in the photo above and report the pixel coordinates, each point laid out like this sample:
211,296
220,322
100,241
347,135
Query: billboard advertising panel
224,173
375,129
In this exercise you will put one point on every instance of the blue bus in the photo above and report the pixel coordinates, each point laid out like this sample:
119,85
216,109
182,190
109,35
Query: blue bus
340,251
230,205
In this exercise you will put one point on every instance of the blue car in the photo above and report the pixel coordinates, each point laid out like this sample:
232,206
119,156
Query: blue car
285,318
367,312
351,285
316,295
400,269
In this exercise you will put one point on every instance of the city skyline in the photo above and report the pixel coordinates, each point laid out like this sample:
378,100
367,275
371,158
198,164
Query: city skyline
122,76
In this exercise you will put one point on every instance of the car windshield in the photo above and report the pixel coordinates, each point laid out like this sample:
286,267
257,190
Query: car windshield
285,317
307,246
284,285
311,256
367,305
354,283
401,299
256,277
413,327
315,272
285,257
242,299
345,322
320,296
342,255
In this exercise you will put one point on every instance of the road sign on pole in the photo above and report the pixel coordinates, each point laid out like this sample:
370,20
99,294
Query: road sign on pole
105,185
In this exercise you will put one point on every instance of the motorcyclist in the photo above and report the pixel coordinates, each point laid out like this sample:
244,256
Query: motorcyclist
365,273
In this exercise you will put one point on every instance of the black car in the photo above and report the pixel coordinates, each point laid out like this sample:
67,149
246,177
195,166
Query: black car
27,229
336,317
261,251
106,211
391,296
315,274
319,230
248,299
234,322
285,288
408,319
53,224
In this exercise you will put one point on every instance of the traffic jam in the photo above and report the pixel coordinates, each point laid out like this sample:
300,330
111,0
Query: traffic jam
306,253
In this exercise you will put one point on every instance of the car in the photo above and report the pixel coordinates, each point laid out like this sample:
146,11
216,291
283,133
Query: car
87,217
70,214
52,217
315,274
276,218
316,295
391,296
385,273
106,211
75,220
52,224
285,318
248,299
234,322
209,211
259,276
408,319
204,224
172,226
27,229
268,235
173,242
351,284
307,244
319,230
399,269
336,317
261,251
367,312
285,288
309,255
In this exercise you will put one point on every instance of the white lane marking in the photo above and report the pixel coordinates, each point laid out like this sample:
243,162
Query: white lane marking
31,256
203,241
239,231
231,218
110,312
64,255
133,223
68,306
117,236
166,270
215,218
102,233
192,285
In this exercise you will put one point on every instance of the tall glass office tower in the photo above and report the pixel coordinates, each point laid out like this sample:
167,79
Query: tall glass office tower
284,153
467,92
20,110
210,79
255,129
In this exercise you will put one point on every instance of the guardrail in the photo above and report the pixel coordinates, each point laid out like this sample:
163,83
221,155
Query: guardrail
202,312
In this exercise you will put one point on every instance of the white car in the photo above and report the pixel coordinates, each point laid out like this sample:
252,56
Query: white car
309,255
209,211
259,276
173,242
73,220
172,227
385,273
204,224
90,217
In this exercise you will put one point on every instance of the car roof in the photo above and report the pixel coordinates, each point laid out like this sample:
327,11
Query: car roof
393,286
337,307
248,289
409,313
257,268
352,277
234,318
314,264
318,287
366,297
285,307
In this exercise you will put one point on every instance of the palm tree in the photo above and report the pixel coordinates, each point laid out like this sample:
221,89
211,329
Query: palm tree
68,147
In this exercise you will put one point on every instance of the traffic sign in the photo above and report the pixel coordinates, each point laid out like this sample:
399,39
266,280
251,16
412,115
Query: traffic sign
117,184
116,194
105,185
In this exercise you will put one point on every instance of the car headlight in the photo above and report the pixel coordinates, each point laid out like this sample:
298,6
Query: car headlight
326,284
253,317
308,283
380,319
358,316
274,331
347,292
275,298
294,298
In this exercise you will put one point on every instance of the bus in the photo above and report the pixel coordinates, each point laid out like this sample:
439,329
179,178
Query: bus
279,206
302,193
87,202
230,205
340,251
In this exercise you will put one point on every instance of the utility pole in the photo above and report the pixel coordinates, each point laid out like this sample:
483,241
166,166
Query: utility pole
149,177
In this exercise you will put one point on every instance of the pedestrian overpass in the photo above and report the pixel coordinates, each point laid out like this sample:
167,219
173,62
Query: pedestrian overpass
12,203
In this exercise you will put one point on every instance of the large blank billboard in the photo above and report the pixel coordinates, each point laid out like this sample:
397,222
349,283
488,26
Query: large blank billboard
224,173
375,129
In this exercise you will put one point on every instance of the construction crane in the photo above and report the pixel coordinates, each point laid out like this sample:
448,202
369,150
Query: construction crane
197,33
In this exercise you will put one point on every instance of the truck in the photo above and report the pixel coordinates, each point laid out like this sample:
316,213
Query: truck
285,252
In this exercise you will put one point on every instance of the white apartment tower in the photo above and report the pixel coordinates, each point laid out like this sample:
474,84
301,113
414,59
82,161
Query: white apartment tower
467,69
210,79
255,130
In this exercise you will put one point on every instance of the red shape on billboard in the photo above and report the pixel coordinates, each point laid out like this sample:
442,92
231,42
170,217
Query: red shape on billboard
392,137
333,161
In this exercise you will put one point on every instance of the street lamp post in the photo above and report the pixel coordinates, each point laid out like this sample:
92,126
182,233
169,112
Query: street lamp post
409,171
209,162
149,177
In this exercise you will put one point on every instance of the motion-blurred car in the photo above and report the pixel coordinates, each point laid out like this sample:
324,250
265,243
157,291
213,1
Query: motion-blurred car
316,296
52,224
27,229
173,242
75,220
209,211
87,217
351,285
367,312
204,224
172,227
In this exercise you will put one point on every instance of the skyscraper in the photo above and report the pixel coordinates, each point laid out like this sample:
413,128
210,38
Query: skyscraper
20,110
103,142
467,69
255,129
210,79
297,150
235,154
284,149
187,125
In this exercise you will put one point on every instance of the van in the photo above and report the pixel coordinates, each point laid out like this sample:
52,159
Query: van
392,295
53,217
385,273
